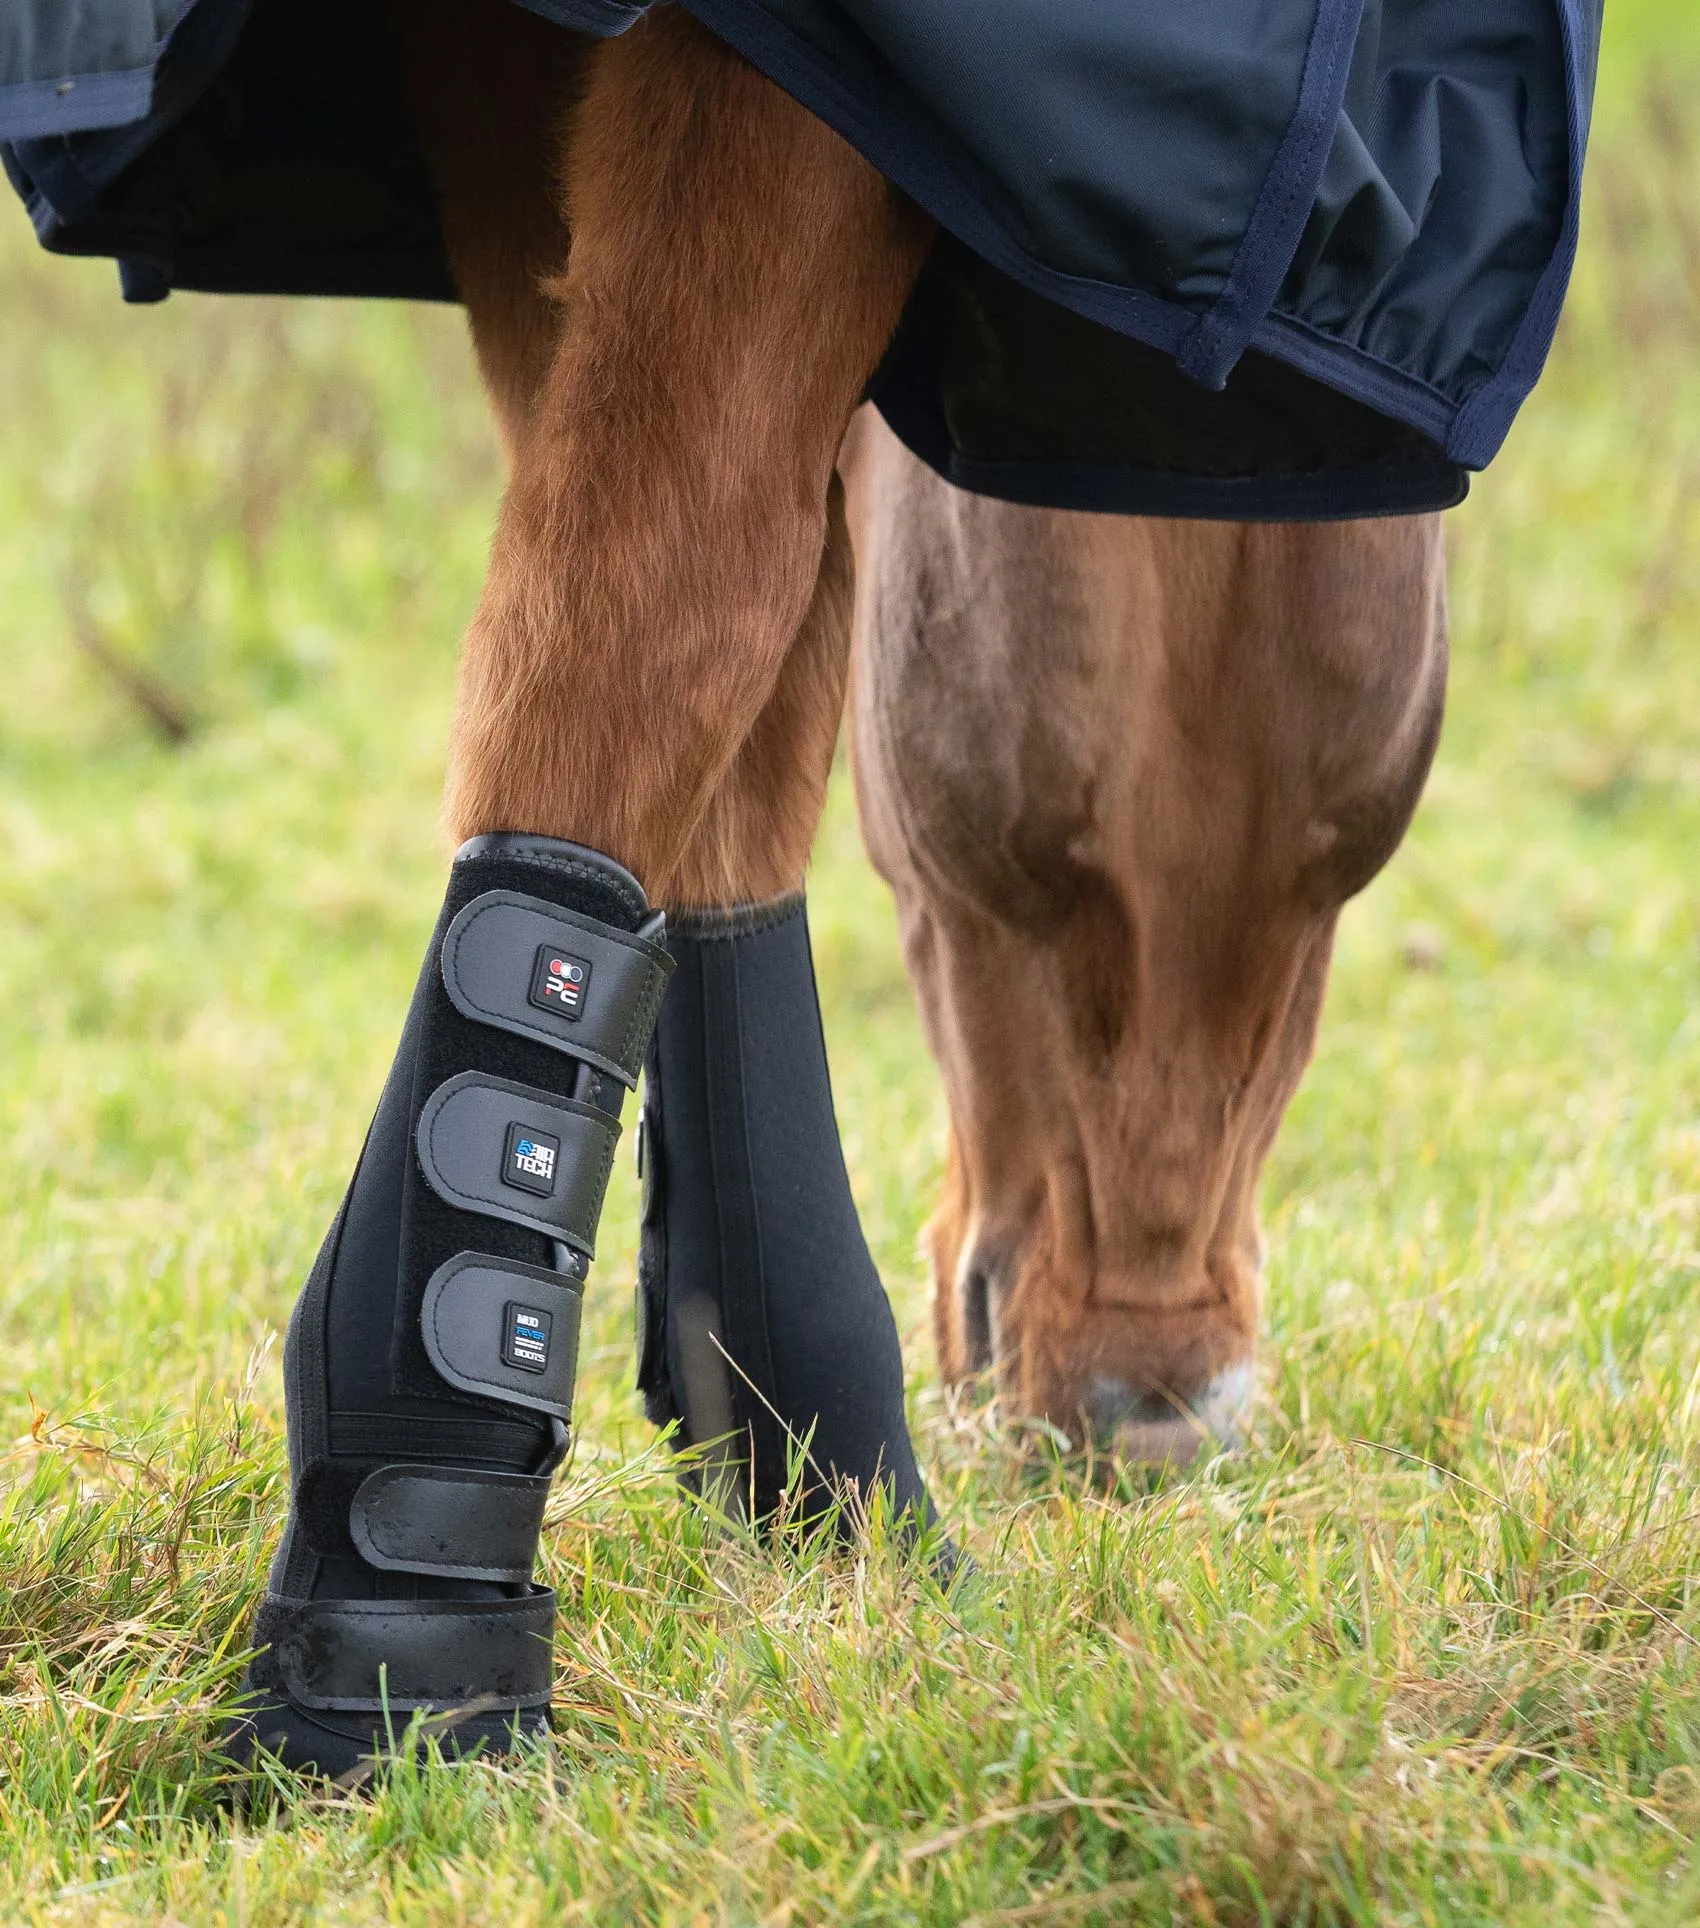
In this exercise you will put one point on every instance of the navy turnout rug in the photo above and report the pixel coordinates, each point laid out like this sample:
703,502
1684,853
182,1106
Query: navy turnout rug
1271,259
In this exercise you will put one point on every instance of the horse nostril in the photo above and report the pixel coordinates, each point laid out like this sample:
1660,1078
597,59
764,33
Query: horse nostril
975,1293
1157,1426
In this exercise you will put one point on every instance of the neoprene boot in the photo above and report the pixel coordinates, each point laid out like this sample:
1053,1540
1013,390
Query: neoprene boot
762,1321
430,1361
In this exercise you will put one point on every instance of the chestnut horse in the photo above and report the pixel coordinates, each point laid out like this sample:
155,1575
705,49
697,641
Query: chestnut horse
1121,774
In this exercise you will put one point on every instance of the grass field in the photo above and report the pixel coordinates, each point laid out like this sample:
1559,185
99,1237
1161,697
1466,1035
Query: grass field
1426,1653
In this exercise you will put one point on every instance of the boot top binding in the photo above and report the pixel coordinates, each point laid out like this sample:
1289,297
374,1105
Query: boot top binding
592,872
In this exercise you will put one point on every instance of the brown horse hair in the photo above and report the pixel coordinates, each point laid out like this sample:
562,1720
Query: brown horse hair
674,340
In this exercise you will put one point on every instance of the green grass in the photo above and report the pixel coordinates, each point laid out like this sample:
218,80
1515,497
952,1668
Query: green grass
1425,1653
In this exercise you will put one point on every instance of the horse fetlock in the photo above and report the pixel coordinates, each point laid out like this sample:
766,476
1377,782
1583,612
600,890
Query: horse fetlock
431,1358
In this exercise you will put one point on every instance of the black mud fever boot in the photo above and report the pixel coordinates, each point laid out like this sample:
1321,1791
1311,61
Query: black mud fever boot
430,1361
763,1324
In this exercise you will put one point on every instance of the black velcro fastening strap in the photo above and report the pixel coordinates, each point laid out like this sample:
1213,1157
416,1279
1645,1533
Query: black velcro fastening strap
363,1656
511,1152
459,1525
506,1330
556,976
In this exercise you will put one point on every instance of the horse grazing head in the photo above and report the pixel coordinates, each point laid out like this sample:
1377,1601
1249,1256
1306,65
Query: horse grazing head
1121,776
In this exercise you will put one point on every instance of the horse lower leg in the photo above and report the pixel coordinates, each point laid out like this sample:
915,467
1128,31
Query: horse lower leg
633,672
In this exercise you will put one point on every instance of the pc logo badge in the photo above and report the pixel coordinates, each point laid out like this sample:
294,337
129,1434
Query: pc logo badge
559,981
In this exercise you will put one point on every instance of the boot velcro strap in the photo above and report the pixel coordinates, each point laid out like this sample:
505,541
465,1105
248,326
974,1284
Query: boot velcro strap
406,1656
506,1330
510,1152
556,976
461,1525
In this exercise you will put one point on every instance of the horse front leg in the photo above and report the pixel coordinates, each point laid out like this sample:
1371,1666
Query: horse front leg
647,704
657,671
734,274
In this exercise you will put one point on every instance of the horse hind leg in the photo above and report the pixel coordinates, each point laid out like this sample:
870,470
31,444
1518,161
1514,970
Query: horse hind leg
648,698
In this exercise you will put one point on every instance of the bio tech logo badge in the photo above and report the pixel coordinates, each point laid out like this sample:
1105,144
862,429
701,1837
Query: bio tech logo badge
529,1163
559,982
